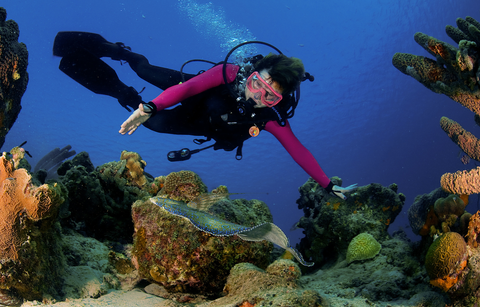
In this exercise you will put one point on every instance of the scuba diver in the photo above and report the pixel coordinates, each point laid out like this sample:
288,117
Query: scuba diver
228,103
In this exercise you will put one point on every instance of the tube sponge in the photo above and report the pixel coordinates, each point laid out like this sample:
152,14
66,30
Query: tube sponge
464,139
362,247
462,182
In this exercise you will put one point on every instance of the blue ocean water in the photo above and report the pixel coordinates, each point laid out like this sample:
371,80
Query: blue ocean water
362,119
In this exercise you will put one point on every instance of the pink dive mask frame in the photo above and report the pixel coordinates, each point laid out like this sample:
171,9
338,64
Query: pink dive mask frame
269,96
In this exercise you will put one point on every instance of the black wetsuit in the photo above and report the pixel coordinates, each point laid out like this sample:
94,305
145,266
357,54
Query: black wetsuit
199,115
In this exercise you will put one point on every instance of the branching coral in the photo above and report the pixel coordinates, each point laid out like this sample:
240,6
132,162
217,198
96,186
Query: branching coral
135,166
455,73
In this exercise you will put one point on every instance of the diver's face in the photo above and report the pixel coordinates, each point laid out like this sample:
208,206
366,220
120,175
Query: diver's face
257,97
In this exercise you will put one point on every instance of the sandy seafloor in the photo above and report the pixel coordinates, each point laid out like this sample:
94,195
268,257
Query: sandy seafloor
139,298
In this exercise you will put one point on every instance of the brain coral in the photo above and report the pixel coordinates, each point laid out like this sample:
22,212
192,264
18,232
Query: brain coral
183,185
362,247
446,258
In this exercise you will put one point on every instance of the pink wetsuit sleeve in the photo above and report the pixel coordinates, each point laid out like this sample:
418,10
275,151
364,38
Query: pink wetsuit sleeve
299,153
207,80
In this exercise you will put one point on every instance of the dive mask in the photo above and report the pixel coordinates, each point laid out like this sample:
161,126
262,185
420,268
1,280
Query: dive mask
257,85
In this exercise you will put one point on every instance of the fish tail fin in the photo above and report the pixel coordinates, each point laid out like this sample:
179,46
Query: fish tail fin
205,201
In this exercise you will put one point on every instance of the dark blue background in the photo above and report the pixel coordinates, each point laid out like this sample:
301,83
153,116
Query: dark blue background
362,119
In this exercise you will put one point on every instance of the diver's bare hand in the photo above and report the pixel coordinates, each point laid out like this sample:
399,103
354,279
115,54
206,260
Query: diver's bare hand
135,120
338,191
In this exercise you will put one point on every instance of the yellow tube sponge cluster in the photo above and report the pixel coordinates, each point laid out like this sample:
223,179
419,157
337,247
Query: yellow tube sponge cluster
363,247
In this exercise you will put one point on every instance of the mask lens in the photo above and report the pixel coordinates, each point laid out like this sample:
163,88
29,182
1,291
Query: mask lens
256,84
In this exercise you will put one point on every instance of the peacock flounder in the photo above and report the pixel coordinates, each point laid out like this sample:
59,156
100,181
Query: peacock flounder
218,227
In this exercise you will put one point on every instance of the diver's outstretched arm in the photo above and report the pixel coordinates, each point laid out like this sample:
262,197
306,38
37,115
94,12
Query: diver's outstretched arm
175,94
135,120
304,158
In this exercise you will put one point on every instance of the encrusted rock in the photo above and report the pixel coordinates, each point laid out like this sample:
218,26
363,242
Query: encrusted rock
171,252
330,223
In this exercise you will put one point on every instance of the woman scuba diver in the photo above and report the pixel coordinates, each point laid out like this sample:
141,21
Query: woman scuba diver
228,103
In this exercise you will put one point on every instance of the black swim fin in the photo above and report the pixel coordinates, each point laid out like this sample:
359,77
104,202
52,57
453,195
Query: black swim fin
97,76
71,42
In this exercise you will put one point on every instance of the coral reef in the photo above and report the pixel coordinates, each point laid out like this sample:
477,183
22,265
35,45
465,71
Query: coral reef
330,223
421,214
362,247
455,73
446,259
99,200
135,166
13,73
452,264
437,213
448,211
189,266
394,276
473,231
183,185
18,157
89,271
170,251
277,286
30,260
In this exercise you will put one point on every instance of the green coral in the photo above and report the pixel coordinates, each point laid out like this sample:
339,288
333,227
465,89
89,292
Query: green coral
444,255
362,247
